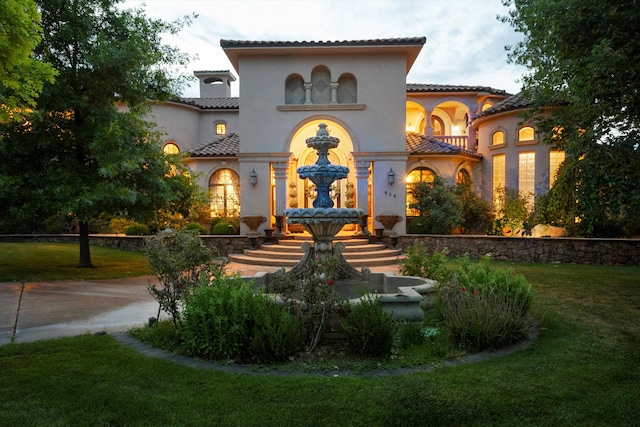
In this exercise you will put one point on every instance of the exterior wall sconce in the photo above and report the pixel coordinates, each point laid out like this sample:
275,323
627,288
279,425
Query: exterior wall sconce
391,176
253,178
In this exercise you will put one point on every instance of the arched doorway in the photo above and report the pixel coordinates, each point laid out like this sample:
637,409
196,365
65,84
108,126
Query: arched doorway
302,192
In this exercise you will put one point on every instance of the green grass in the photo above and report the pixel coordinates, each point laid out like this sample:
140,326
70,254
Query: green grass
39,262
583,371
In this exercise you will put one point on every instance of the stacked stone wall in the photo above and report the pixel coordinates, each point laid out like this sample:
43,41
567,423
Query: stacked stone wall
517,249
529,249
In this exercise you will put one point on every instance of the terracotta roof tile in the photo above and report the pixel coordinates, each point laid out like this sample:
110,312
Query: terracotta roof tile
231,103
422,144
370,42
415,144
225,146
514,102
422,88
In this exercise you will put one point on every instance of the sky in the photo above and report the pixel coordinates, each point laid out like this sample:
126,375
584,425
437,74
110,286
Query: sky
465,40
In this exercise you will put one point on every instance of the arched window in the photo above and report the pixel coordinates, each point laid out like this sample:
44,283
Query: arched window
497,137
347,89
526,133
463,177
170,148
420,174
294,92
320,86
438,125
221,128
224,194
486,106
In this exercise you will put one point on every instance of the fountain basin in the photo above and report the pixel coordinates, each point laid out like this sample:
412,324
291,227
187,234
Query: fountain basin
405,297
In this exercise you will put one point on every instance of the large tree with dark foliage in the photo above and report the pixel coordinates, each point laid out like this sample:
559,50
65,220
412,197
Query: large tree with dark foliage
21,75
583,57
87,148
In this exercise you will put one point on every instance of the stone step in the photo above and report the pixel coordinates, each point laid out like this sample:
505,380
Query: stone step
348,248
380,253
357,262
298,240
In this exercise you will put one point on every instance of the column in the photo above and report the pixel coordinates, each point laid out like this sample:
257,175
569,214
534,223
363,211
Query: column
307,93
362,193
280,172
362,185
428,130
334,92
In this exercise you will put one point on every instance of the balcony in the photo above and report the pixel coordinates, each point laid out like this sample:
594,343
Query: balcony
461,141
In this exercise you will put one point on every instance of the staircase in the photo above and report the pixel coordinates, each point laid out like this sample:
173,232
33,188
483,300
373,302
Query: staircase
287,253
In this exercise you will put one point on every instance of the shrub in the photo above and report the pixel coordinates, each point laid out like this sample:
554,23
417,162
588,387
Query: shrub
224,225
120,224
476,212
179,260
419,262
224,319
137,229
368,328
276,333
437,203
196,227
485,308
313,296
512,211
410,334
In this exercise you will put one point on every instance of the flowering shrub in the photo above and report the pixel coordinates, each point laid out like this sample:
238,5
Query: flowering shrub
485,308
311,296
179,260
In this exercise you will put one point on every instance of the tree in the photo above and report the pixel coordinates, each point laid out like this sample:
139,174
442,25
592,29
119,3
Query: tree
87,148
585,86
439,209
21,76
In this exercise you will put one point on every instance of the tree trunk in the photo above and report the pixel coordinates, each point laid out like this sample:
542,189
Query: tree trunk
85,254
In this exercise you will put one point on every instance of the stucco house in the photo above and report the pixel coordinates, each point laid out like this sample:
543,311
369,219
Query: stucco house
391,133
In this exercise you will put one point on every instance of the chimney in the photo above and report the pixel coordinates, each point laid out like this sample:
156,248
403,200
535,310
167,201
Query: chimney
215,84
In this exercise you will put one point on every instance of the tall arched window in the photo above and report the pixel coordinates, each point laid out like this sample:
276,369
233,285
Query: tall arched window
347,89
294,92
320,86
420,174
224,194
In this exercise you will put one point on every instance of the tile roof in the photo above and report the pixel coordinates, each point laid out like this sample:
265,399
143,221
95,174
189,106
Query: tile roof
422,144
225,146
514,102
422,88
371,42
416,143
227,103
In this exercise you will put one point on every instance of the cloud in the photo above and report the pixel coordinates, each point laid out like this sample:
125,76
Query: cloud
465,40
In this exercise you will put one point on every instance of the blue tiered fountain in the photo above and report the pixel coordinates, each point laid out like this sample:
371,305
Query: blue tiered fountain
323,221
404,297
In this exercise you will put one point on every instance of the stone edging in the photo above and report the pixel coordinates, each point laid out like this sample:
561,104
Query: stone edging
147,350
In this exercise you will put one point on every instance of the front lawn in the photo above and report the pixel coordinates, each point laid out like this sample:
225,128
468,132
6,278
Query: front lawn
583,370
41,262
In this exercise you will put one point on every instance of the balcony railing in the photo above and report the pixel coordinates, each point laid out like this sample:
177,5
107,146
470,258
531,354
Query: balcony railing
461,141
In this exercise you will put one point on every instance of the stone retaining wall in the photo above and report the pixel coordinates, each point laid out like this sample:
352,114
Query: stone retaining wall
226,244
524,249
530,249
